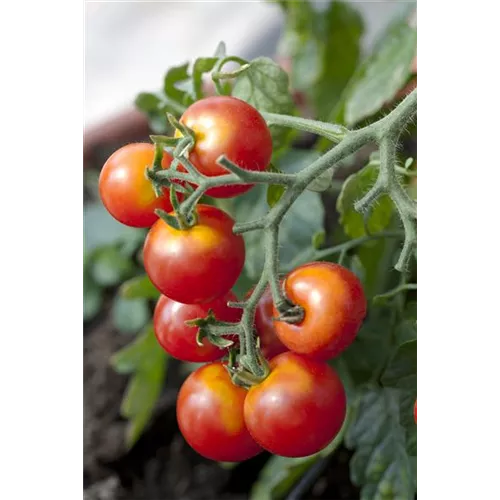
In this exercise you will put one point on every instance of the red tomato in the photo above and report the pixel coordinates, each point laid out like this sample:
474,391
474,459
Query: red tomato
298,409
197,264
124,189
334,305
178,339
415,411
210,415
226,125
270,344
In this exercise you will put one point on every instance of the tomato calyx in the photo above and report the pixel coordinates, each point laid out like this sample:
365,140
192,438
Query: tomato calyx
177,221
204,332
293,314
241,375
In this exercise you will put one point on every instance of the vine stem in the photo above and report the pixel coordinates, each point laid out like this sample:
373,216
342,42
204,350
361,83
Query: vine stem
385,132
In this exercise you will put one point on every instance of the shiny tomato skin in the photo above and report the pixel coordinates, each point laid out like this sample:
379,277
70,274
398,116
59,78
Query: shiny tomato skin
198,264
334,304
124,189
210,416
270,344
230,126
179,339
298,409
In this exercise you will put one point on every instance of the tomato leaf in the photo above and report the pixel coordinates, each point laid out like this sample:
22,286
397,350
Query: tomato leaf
322,182
130,315
324,45
274,191
401,373
139,287
353,189
202,65
265,86
129,359
100,229
108,266
371,348
92,297
175,75
380,464
148,362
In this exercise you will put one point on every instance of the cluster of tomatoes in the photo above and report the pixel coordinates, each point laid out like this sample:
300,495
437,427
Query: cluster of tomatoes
300,406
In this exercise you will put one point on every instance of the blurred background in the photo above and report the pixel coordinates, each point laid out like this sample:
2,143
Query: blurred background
135,454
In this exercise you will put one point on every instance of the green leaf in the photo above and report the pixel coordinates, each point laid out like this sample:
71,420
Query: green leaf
274,191
130,315
353,189
202,65
148,102
380,464
265,86
371,348
383,74
342,31
148,361
324,46
92,297
406,331
108,266
100,229
131,357
139,287
401,373
322,182
175,75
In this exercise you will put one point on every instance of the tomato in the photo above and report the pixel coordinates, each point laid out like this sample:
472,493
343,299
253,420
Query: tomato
178,339
334,307
415,411
226,125
298,409
210,415
197,264
270,344
124,189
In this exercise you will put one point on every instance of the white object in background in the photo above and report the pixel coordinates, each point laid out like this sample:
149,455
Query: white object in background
129,46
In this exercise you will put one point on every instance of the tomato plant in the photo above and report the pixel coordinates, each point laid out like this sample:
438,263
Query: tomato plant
331,296
270,344
334,306
298,409
178,339
197,264
210,415
224,125
126,192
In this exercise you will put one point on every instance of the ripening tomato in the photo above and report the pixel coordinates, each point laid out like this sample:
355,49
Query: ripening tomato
270,344
197,264
229,126
415,411
298,409
124,189
210,415
179,339
334,308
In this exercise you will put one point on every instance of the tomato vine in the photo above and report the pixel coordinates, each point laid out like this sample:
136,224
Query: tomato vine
384,132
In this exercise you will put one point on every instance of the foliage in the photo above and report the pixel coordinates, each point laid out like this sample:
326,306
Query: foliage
344,87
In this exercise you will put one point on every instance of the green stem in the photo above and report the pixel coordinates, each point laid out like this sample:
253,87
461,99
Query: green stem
330,131
385,132
395,291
